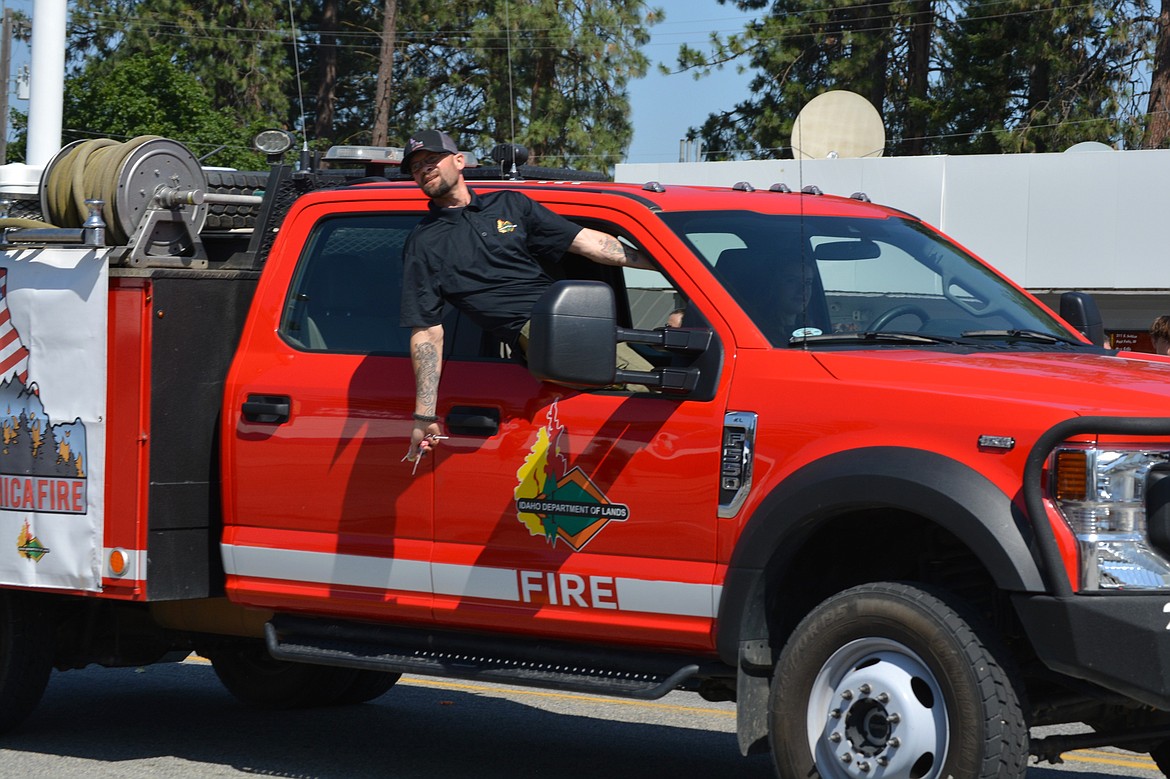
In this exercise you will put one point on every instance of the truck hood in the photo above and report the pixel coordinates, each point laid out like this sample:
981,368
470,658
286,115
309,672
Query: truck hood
1088,384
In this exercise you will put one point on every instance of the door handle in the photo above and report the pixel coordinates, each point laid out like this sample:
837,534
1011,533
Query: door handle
266,409
473,420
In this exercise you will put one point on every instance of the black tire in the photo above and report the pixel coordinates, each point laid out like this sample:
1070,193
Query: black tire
26,656
1160,754
258,679
879,650
367,686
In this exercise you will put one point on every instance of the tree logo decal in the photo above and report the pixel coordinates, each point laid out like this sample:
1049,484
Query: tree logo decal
559,502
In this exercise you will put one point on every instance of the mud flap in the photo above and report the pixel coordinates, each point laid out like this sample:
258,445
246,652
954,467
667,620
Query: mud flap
754,672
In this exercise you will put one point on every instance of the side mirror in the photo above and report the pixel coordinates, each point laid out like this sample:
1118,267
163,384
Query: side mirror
573,337
1080,310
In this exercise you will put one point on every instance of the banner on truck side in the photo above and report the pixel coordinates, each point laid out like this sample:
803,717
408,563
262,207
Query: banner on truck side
53,306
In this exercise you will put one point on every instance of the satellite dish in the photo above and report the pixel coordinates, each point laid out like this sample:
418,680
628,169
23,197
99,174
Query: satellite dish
1088,146
838,124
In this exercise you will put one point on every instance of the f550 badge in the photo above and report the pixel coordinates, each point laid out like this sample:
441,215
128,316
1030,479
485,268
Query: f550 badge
559,502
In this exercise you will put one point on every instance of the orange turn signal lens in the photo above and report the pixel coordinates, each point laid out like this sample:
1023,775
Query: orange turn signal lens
1072,475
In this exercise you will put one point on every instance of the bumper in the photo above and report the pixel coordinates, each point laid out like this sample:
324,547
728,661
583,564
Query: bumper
1118,641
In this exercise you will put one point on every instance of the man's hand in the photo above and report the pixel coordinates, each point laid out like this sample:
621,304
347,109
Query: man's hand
423,439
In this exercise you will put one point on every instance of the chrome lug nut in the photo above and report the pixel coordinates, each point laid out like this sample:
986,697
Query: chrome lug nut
847,694
864,689
883,698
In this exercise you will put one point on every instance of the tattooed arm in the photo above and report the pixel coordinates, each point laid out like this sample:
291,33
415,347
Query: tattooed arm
426,355
607,250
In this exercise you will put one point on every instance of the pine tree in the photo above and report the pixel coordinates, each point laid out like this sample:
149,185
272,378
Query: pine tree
239,52
958,76
1064,80
1158,108
801,48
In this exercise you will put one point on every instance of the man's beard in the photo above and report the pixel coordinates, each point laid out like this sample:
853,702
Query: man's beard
438,188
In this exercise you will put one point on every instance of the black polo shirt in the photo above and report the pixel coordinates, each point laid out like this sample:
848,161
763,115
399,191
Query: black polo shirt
482,259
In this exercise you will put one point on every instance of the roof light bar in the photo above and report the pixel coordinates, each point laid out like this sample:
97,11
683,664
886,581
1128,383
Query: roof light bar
380,155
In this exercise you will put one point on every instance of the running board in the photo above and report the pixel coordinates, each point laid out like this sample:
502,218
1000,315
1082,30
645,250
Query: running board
502,660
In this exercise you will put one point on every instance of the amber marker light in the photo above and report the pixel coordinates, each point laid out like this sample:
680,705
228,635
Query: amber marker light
119,562
1072,476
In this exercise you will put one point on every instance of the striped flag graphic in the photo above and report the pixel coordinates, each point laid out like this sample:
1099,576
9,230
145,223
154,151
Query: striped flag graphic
13,354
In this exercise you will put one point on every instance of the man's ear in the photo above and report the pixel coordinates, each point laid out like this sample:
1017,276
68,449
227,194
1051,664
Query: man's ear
459,161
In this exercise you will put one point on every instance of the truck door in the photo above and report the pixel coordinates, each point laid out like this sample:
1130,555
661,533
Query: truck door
584,515
321,514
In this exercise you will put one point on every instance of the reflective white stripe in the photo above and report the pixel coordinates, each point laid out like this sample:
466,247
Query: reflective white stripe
473,581
323,568
688,600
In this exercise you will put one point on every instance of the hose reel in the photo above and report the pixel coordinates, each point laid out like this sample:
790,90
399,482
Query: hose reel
153,192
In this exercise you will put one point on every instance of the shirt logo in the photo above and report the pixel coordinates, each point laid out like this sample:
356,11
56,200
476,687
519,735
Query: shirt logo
504,226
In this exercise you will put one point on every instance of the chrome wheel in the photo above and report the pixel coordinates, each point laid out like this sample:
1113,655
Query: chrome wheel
876,710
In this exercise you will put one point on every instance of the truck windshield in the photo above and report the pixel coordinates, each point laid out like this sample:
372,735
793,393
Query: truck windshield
819,279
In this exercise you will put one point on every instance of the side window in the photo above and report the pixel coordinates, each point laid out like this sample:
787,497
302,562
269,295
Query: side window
654,301
347,288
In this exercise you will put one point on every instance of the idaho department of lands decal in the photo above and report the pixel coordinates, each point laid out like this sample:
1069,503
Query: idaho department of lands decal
559,502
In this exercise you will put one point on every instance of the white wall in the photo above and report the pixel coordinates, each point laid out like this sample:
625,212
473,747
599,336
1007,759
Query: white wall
1095,220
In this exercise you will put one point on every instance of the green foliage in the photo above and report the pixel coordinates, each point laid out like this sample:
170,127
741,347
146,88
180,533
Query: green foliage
552,75
549,74
148,94
1065,82
579,56
238,51
947,76
799,49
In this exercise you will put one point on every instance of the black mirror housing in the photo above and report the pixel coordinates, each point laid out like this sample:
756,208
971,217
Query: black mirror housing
1080,310
573,336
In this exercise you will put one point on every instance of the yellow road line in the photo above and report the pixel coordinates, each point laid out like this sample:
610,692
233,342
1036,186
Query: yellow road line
1115,759
1111,758
1079,756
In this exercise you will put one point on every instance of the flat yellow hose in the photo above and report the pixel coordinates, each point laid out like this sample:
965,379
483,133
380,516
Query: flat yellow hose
89,171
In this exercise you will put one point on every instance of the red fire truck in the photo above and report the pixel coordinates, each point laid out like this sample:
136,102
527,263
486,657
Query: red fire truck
890,504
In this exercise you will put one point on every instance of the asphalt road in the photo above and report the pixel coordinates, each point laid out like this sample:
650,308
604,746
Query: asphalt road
177,721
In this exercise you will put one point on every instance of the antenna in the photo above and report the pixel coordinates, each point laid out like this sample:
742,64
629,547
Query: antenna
511,97
835,124
300,94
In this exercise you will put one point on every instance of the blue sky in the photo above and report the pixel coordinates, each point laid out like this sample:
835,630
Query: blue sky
665,106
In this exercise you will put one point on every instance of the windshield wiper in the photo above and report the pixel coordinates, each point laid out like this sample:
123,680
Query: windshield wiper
1021,335
873,337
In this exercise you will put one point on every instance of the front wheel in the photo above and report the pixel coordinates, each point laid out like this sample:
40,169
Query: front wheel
891,680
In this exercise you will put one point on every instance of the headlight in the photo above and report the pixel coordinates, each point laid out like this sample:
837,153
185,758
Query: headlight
1102,495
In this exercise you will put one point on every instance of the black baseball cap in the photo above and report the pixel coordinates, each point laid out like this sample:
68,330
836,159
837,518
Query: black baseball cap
427,140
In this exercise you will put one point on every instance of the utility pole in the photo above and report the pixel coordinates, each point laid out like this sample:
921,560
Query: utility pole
5,69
